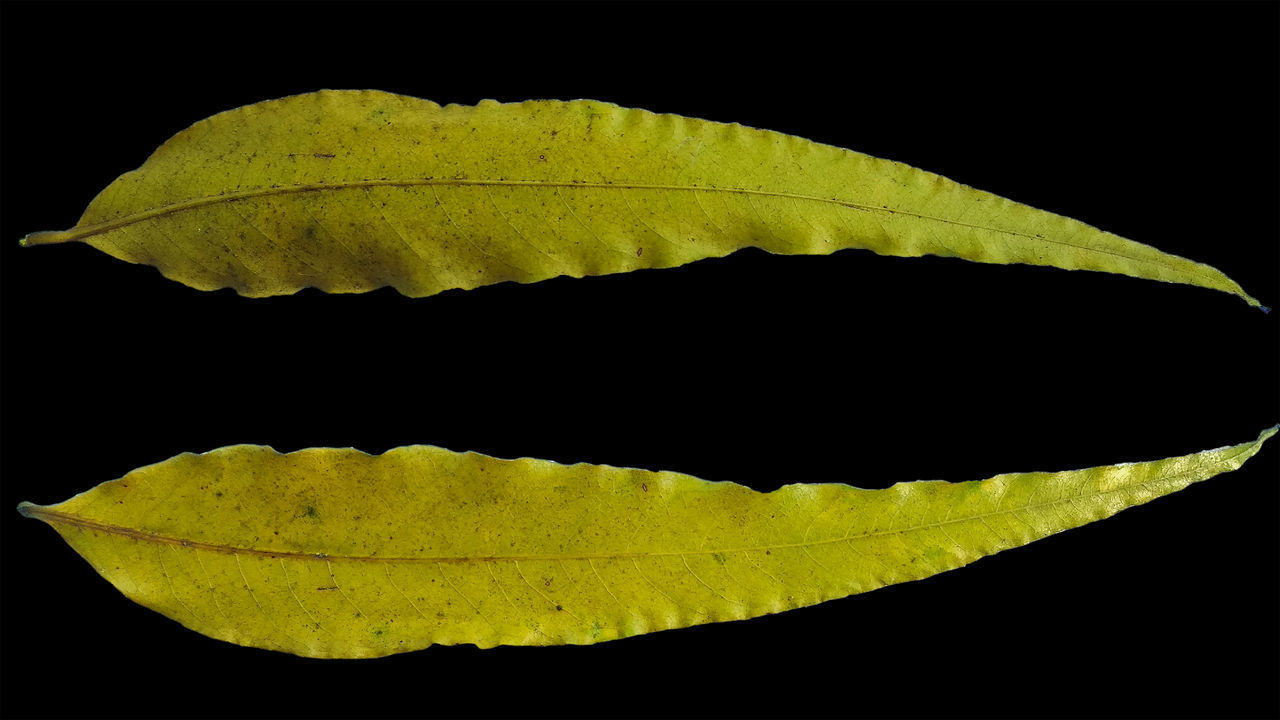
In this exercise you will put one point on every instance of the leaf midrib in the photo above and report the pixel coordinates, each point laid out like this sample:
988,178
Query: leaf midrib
81,233
52,516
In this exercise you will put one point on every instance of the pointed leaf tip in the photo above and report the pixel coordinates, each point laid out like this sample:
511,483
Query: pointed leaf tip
26,509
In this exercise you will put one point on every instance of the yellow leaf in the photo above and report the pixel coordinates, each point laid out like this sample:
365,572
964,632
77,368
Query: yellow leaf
349,191
335,553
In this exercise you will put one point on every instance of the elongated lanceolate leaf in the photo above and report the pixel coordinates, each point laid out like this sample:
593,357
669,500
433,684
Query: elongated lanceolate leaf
335,553
349,191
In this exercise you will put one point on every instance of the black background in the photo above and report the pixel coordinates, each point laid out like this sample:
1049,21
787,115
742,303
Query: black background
1157,122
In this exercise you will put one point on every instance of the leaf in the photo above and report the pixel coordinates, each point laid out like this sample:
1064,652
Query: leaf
348,191
335,553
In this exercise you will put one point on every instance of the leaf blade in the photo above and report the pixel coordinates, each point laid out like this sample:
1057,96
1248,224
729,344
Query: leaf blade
352,190
312,552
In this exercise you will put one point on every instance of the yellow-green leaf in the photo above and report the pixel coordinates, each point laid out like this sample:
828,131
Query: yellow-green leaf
335,553
349,191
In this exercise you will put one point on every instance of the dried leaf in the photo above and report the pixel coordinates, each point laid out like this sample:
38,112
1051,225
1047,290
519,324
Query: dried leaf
335,553
349,191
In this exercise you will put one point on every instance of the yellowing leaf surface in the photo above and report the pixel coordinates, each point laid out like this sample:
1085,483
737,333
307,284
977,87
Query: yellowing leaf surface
335,553
348,191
